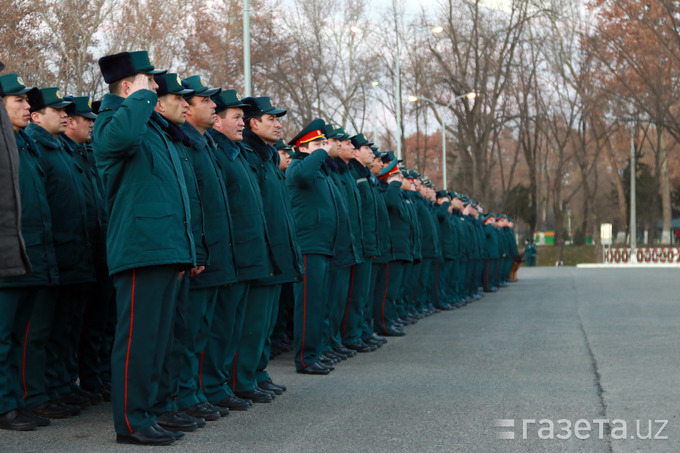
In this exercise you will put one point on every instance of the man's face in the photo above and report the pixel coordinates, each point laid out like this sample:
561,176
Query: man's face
285,160
268,128
79,128
335,148
376,166
174,107
364,154
346,150
18,110
312,146
52,120
201,113
232,124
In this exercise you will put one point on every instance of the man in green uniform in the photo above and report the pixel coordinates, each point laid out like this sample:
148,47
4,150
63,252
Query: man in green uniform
19,293
146,194
355,331
58,325
178,363
91,321
252,252
389,281
315,209
349,243
263,129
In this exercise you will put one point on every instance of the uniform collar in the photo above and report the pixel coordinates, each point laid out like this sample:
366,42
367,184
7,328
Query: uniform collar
41,136
23,140
198,141
230,148
265,151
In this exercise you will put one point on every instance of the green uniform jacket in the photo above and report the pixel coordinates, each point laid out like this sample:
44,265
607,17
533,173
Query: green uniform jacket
65,190
400,222
493,245
429,239
184,148
368,191
384,226
446,231
36,220
218,226
146,196
416,235
478,239
457,221
349,242
312,198
252,249
280,225
94,202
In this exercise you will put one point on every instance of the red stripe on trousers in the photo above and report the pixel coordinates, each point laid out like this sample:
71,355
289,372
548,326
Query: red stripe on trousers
233,373
127,359
304,316
23,364
387,280
349,298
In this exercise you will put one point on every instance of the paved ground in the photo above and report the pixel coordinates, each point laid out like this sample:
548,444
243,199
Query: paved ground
561,346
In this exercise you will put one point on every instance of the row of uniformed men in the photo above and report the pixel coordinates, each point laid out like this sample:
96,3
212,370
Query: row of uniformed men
201,237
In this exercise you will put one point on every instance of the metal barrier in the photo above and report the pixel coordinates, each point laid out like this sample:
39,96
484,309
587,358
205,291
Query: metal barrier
650,255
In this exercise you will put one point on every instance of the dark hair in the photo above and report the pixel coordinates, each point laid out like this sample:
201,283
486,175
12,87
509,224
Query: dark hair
254,117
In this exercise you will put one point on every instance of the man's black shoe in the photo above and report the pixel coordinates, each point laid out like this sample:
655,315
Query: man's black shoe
37,419
74,399
270,387
199,410
256,396
360,346
315,368
234,403
176,421
176,434
51,409
281,386
392,332
343,350
148,436
16,421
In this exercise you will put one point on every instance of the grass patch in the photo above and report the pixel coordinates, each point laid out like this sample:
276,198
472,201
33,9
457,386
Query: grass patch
573,255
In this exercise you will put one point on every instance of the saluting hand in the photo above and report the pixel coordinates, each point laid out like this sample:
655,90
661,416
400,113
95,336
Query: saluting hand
142,82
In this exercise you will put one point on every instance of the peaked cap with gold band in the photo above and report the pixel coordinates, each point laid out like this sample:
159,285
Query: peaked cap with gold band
312,131
46,97
228,99
82,106
170,83
13,85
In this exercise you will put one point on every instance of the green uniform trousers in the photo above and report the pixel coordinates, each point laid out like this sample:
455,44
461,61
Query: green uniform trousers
16,305
338,291
257,325
357,302
145,302
311,296
94,352
261,374
215,377
387,289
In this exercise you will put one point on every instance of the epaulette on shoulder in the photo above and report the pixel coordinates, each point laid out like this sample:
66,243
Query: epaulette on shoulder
248,148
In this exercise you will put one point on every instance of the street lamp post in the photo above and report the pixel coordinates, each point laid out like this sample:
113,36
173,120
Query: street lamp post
246,48
470,95
633,226
397,70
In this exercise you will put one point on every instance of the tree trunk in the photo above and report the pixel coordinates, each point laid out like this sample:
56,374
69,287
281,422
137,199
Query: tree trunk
665,190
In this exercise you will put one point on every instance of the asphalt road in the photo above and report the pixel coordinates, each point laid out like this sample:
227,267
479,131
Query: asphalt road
565,347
